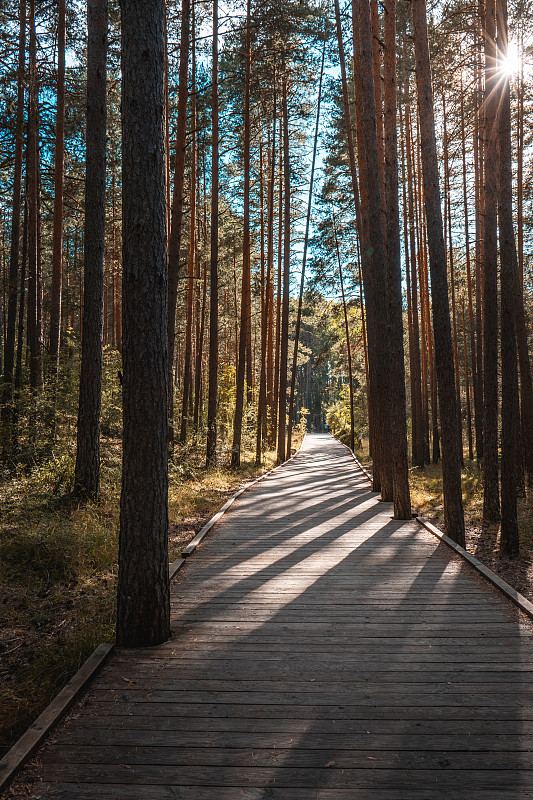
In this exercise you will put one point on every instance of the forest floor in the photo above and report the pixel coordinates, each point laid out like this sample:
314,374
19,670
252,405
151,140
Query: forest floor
481,540
58,566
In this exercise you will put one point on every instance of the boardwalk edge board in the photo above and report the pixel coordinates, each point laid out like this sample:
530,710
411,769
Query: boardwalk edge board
24,748
28,743
191,547
518,599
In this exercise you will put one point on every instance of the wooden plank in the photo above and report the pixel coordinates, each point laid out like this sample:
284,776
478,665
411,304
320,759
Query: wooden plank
88,724
397,695
306,777
209,709
277,739
99,791
300,758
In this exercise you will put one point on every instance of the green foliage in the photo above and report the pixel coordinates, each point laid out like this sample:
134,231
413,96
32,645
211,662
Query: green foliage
338,418
111,420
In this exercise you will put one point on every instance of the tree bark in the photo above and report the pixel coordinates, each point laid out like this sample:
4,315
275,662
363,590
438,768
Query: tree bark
451,468
347,334
265,389
186,401
33,332
176,215
13,277
304,260
87,472
143,607
510,449
398,437
284,346
376,294
491,502
452,277
59,165
211,451
244,334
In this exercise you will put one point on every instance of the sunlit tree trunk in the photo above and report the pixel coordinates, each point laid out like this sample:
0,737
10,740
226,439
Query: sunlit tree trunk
244,337
211,453
491,502
416,397
447,192
284,344
304,260
510,449
451,468
176,215
348,345
186,402
471,323
402,499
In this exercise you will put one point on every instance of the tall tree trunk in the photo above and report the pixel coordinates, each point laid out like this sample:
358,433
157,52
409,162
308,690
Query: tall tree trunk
270,290
304,260
398,437
186,402
59,164
265,388
274,418
87,472
12,286
376,296
347,334
244,337
34,339
211,451
451,467
447,192
491,502
17,383
359,194
143,607
510,449
475,385
478,135
416,399
176,215
467,387
284,346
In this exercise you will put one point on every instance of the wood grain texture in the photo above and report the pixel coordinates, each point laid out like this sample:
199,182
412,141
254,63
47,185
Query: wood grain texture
320,651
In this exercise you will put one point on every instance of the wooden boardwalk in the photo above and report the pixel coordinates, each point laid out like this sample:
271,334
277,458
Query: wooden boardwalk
320,650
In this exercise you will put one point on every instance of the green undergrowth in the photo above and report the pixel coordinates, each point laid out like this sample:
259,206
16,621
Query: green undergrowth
58,565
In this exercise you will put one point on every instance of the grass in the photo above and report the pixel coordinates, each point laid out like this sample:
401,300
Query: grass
58,566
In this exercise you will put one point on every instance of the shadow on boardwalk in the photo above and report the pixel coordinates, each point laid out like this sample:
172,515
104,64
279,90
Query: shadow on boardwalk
320,650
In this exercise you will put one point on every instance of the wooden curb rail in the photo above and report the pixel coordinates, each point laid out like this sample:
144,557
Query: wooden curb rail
518,599
28,743
24,748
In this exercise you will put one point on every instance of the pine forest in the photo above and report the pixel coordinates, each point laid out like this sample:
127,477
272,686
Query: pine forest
224,226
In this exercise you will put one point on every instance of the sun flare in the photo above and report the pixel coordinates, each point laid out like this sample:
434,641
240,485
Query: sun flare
510,65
